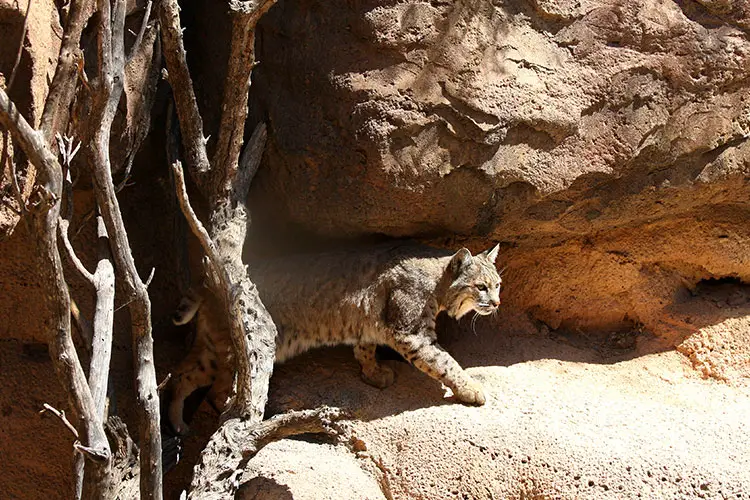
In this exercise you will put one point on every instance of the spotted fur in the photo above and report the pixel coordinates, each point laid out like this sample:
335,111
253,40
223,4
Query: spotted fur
388,295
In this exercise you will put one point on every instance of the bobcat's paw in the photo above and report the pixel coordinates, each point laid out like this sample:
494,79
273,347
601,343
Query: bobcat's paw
470,393
380,377
175,419
180,428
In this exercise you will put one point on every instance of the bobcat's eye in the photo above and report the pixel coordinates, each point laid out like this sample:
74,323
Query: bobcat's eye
498,285
481,287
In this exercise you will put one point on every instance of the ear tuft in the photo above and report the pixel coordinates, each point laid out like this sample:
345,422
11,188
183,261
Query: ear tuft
492,254
460,261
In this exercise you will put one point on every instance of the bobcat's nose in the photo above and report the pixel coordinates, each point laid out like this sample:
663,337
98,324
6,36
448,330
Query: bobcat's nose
494,302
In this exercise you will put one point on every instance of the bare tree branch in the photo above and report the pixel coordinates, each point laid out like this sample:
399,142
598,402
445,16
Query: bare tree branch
31,141
141,31
249,162
237,441
62,88
252,330
62,226
20,46
61,415
13,175
223,288
106,98
245,16
44,220
101,345
209,247
191,122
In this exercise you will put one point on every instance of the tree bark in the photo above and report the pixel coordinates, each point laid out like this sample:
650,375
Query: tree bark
44,219
240,440
106,99
224,185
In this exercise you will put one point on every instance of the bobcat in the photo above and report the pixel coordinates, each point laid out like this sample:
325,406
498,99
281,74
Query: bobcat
390,294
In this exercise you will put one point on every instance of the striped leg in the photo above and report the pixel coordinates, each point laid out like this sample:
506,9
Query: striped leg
373,372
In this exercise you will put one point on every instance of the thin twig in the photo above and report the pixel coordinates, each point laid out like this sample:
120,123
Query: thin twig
62,226
150,277
164,382
13,175
20,47
61,415
139,37
209,247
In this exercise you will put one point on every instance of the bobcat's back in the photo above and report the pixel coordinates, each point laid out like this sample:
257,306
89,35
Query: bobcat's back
342,297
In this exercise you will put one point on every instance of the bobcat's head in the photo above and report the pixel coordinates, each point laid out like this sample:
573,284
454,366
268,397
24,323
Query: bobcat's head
476,283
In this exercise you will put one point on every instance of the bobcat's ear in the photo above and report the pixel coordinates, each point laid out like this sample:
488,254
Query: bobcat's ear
460,261
492,254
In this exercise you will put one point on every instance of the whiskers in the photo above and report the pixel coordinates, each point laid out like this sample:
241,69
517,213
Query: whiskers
474,322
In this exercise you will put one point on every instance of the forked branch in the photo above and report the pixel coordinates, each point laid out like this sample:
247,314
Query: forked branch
44,221
106,98
237,441
191,122
245,16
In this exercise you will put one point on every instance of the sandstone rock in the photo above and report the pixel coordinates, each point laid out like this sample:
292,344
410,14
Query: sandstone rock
41,43
604,144
442,107
560,424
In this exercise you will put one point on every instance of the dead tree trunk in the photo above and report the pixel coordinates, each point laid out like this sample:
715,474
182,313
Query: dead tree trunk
107,96
44,217
225,183
101,475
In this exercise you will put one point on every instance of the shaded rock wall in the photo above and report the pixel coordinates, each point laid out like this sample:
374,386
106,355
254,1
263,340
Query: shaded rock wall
603,143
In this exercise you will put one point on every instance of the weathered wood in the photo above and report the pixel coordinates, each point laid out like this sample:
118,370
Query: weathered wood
62,89
245,16
251,327
106,98
99,339
104,311
239,440
139,38
191,123
44,220
252,330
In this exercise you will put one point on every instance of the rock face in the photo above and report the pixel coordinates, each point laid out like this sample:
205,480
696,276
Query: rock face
603,143
461,110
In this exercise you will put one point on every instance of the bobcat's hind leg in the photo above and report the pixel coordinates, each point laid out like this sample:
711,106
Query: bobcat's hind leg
373,372
192,374
221,389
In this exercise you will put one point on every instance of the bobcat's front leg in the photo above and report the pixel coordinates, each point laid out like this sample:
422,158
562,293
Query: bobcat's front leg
428,356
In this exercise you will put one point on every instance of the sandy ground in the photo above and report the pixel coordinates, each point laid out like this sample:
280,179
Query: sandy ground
561,422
